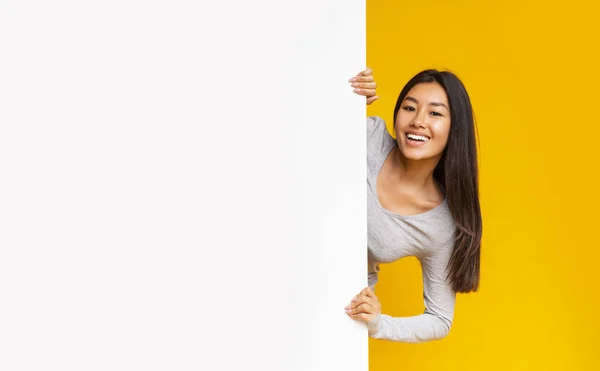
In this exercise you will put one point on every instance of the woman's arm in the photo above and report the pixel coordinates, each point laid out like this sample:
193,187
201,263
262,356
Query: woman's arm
439,298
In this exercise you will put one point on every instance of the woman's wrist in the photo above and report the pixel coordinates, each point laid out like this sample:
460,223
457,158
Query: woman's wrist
374,325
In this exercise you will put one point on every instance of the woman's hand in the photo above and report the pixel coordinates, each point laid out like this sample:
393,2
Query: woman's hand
364,84
365,306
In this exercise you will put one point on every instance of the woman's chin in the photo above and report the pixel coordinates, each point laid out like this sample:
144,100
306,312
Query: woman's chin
417,154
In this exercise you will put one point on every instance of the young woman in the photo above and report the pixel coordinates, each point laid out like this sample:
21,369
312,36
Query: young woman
422,201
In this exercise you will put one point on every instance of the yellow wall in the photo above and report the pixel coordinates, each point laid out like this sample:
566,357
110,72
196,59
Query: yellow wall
532,70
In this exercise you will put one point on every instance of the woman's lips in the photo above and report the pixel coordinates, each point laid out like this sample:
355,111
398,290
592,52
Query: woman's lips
415,142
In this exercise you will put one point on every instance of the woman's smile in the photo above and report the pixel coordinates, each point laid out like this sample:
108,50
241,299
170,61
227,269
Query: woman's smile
416,140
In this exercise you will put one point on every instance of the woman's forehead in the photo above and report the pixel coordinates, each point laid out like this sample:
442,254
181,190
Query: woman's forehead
428,92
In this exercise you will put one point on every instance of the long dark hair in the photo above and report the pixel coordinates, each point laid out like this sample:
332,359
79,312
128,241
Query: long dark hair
457,172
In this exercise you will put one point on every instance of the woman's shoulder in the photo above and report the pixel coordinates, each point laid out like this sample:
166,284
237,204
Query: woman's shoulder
375,125
379,139
375,120
445,220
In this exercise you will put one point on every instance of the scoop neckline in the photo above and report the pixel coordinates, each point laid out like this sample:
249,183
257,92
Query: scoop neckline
430,211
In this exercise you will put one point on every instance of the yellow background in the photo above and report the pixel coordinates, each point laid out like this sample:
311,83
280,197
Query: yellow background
532,71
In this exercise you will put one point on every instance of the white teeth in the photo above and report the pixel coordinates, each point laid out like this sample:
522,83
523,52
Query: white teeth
417,137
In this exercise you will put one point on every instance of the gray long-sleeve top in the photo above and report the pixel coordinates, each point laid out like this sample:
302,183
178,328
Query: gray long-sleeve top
428,236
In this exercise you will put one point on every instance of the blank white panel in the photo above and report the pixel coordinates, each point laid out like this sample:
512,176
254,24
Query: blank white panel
182,185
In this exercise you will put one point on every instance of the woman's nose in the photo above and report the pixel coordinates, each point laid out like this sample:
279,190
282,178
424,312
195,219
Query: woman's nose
419,119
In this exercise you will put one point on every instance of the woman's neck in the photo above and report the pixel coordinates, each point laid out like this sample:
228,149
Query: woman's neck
415,174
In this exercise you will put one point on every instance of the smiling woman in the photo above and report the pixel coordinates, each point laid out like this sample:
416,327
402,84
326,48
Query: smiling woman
423,201
427,102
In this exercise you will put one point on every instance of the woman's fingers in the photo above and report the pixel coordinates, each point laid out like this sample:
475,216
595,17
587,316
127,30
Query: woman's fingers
367,71
366,295
360,78
361,317
364,85
368,292
364,312
372,99
365,92
361,301
361,308
364,307
366,74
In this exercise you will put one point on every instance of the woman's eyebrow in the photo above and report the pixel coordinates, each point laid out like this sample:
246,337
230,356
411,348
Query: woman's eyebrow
436,104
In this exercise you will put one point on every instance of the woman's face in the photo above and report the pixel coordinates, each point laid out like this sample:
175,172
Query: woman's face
423,122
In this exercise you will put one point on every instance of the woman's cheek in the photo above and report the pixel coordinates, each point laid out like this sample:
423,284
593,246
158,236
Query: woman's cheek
442,131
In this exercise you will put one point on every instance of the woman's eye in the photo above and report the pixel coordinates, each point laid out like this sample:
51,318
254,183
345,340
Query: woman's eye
409,108
436,113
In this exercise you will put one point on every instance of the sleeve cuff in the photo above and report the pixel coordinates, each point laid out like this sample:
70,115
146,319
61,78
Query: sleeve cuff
374,325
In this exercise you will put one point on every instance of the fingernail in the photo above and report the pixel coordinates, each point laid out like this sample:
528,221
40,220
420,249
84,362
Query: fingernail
347,307
356,90
352,79
355,84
